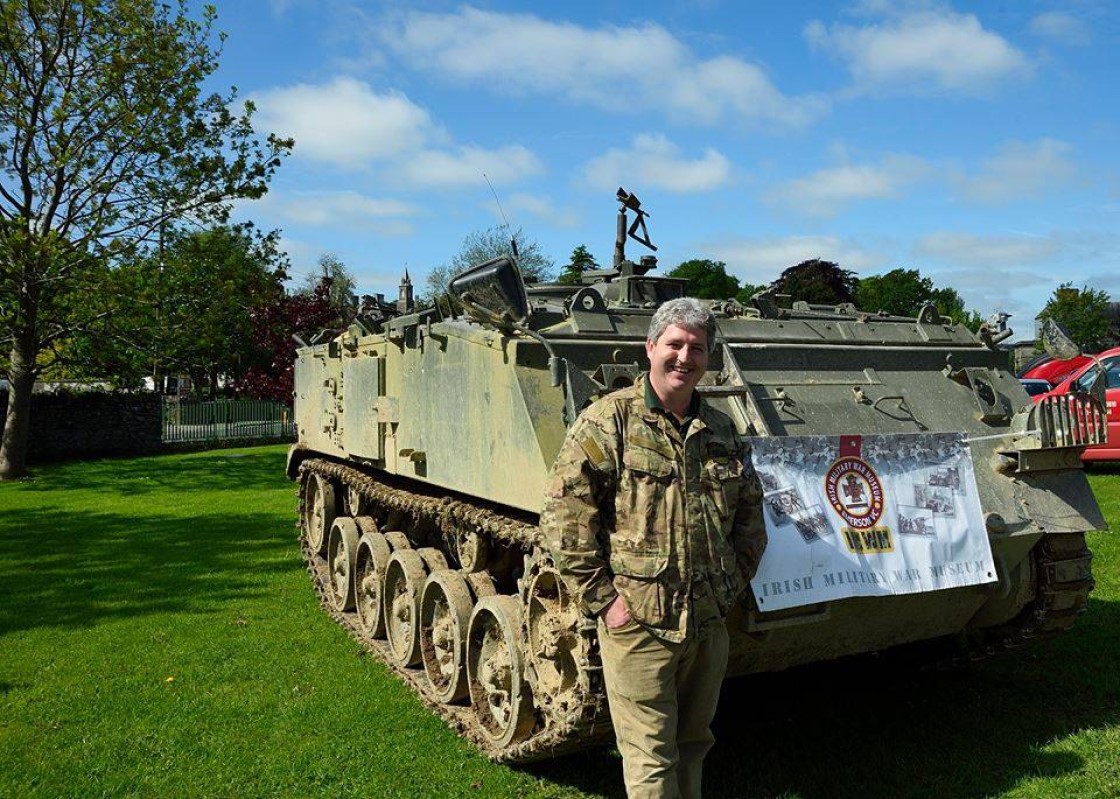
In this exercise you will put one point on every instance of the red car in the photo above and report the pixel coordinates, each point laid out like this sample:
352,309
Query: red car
1083,378
1054,372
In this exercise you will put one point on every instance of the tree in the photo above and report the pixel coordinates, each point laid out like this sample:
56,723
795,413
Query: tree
707,279
189,310
581,261
817,282
272,376
899,292
748,290
481,246
903,292
340,284
950,304
116,343
105,136
210,284
1083,313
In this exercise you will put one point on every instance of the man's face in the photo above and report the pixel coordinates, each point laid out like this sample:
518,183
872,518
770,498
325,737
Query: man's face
677,361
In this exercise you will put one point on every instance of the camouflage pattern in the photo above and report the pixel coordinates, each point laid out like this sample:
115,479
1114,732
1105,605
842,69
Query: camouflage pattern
634,508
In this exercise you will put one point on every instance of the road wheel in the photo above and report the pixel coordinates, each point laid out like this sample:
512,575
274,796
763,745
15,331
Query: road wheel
341,553
319,511
355,502
404,581
496,671
557,650
445,613
369,576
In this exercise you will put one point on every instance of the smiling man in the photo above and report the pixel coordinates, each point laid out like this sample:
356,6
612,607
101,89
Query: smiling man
653,516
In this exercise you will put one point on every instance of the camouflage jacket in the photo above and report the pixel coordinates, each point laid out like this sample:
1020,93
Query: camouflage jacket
634,508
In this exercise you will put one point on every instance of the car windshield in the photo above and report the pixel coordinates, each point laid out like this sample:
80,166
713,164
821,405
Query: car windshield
1035,387
1111,374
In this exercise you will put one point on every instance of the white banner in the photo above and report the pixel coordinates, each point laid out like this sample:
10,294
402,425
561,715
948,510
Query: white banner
867,516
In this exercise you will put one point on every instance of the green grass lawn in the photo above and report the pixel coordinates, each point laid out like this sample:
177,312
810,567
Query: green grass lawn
159,637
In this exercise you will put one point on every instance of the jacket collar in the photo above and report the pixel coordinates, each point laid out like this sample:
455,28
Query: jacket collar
653,410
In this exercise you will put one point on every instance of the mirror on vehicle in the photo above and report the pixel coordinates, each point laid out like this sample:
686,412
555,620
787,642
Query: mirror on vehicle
495,286
1057,343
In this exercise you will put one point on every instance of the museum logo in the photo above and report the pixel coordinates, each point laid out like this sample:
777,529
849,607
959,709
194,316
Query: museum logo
855,492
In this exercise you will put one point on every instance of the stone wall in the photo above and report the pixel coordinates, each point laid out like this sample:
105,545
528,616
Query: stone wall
91,424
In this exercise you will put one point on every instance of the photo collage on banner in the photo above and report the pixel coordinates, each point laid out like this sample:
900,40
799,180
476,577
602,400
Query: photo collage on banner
867,516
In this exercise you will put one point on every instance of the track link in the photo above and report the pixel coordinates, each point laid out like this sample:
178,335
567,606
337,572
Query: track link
1063,569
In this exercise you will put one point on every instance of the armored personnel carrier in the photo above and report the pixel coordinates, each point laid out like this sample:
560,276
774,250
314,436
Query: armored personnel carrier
426,437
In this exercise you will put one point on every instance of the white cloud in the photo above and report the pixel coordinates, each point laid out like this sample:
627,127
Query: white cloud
614,68
921,49
344,123
1018,272
653,161
465,166
341,210
1018,171
303,256
385,280
1097,252
1011,289
1060,27
987,252
762,260
828,191
542,208
1105,281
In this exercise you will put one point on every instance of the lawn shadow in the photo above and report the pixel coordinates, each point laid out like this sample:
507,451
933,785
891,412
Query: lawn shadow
877,726
77,569
62,567
257,468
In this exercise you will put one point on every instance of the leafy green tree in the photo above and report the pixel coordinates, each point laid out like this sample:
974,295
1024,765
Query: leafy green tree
482,245
580,262
903,292
105,136
899,292
340,285
190,309
707,279
213,282
116,344
1083,313
748,290
950,304
817,282
970,319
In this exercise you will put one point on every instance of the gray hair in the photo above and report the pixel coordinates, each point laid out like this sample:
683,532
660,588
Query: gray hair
683,312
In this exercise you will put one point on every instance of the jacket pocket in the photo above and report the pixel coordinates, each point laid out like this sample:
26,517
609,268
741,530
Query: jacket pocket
724,479
649,463
638,564
644,500
639,578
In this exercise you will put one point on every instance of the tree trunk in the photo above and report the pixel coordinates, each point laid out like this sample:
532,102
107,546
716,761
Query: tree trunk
17,423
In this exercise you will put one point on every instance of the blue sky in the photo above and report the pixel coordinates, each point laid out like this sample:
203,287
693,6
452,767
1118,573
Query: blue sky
975,142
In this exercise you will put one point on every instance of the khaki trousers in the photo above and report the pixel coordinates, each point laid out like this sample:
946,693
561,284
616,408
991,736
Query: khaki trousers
662,697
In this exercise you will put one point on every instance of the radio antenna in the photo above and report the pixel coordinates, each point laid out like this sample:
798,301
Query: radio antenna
505,222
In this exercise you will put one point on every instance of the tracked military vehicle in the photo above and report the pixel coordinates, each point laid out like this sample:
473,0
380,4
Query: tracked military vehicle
426,437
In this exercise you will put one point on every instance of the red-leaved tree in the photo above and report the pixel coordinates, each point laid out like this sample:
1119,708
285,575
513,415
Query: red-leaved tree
272,377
